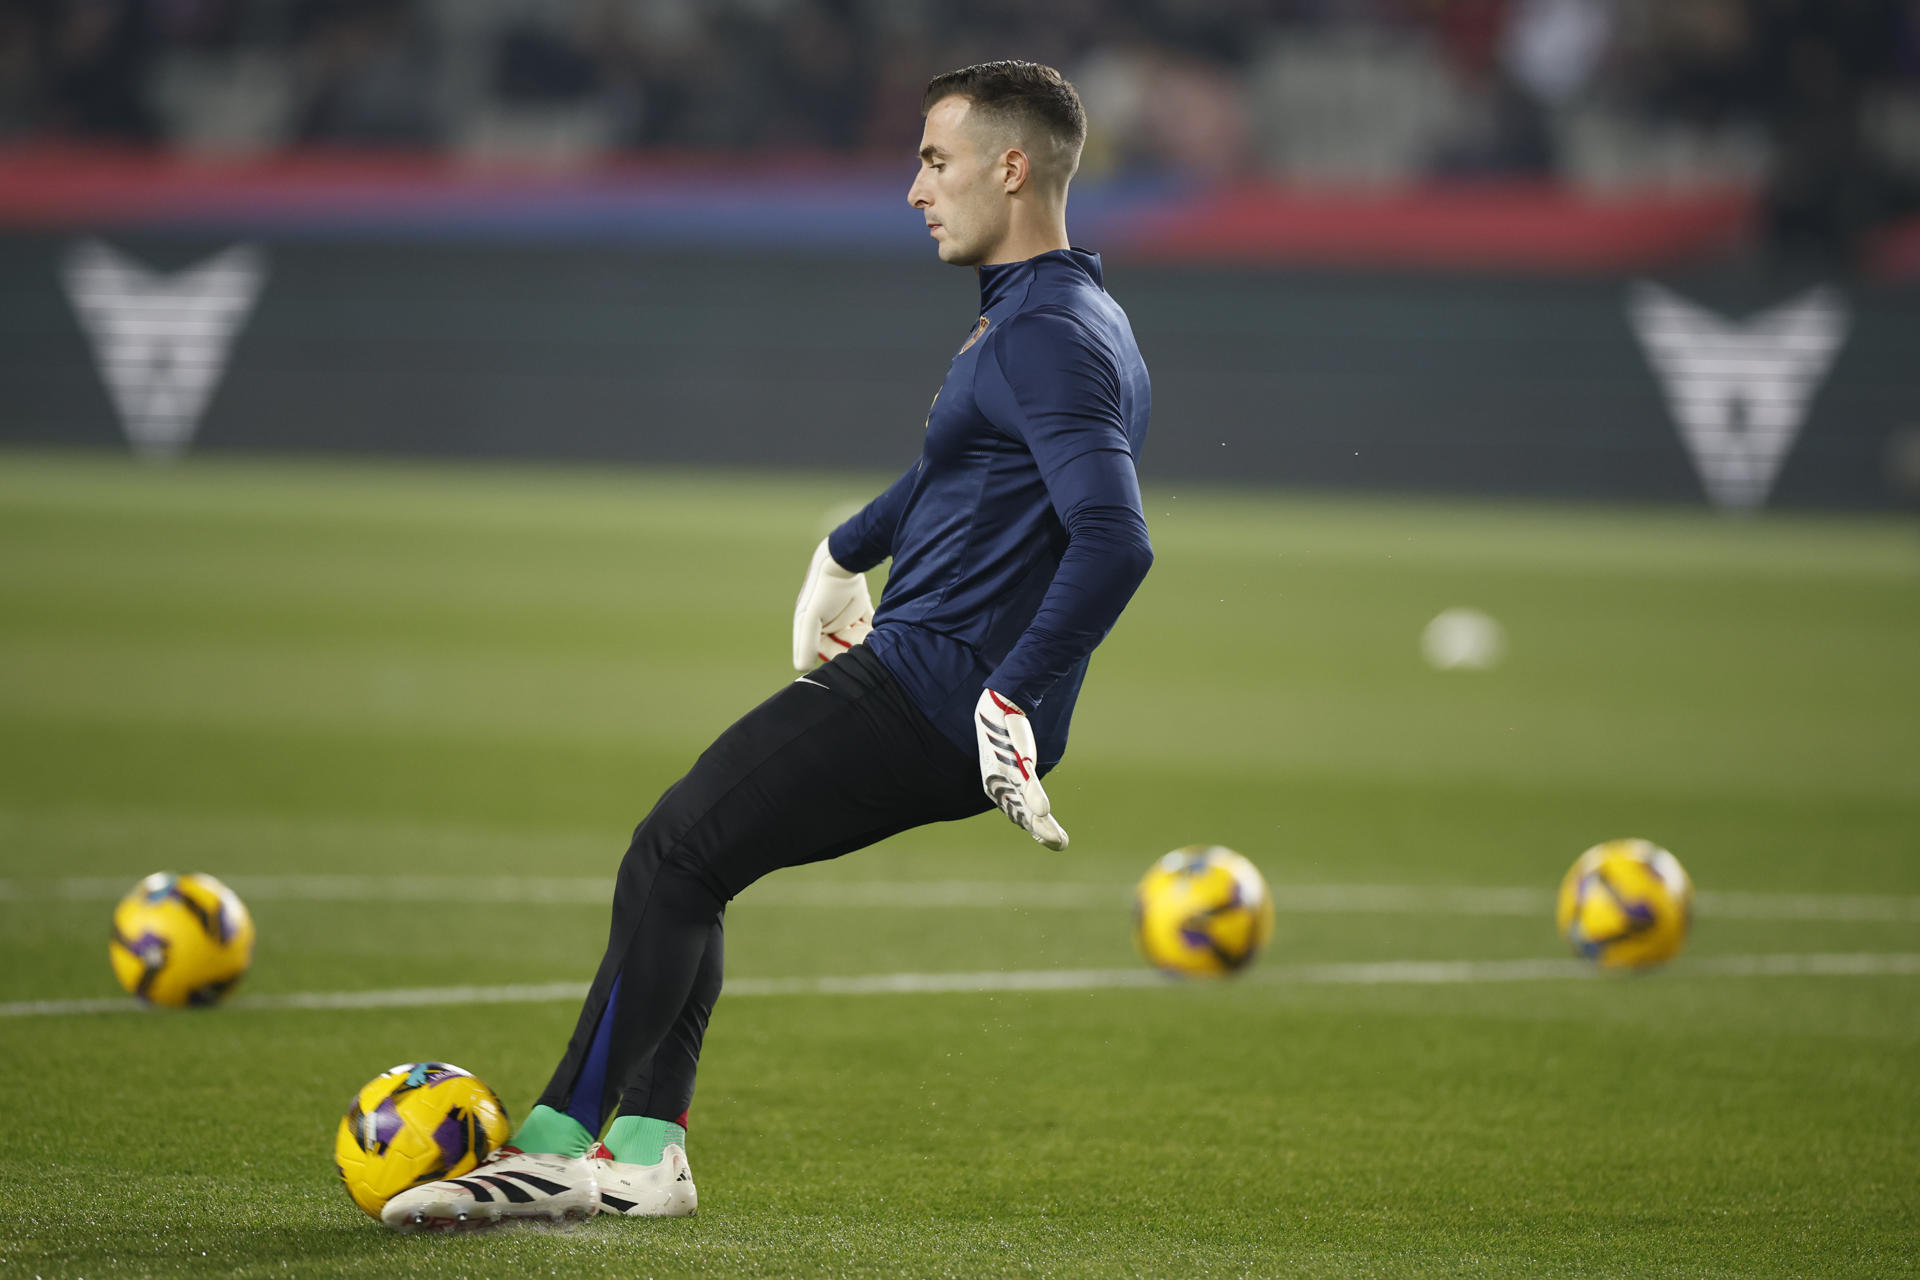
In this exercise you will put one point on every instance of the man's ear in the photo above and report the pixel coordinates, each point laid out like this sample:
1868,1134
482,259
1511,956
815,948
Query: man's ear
1015,172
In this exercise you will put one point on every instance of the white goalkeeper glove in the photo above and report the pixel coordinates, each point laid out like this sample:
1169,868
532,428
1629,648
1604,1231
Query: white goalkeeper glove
1008,768
834,611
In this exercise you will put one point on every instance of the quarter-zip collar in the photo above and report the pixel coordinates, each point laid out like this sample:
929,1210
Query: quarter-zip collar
1000,279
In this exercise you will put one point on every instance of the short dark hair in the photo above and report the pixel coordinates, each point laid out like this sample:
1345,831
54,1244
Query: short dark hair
1019,93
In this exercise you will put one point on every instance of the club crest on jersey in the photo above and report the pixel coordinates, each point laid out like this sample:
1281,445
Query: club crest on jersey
973,337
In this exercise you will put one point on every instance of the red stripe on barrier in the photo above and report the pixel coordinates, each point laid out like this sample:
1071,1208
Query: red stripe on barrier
1478,225
1491,225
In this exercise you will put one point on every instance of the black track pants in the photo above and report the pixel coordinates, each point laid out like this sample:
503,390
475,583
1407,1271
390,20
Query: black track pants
832,763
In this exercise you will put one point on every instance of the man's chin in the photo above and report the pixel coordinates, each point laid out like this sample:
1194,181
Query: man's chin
955,255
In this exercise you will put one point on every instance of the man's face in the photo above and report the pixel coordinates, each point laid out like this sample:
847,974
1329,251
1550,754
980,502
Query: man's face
961,187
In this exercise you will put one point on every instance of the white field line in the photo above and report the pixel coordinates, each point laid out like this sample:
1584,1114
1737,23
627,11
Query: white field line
1295,899
1385,973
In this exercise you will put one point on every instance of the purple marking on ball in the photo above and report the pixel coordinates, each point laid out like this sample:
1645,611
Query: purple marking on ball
454,1137
1195,938
386,1125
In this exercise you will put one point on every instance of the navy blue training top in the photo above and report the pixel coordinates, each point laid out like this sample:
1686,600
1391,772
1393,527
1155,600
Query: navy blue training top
1017,538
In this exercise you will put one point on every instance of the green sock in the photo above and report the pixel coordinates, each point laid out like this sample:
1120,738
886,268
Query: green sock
552,1132
642,1140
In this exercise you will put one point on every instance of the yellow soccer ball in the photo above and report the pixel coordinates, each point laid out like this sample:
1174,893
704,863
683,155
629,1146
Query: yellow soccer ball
415,1123
1202,911
180,940
1626,904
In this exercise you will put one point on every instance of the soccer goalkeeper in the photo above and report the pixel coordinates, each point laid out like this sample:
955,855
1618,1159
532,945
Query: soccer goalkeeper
1016,539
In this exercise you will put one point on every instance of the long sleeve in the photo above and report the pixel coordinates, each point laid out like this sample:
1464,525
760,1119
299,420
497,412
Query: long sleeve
1048,385
864,539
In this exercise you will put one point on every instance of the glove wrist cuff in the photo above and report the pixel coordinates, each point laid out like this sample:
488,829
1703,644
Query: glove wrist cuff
828,566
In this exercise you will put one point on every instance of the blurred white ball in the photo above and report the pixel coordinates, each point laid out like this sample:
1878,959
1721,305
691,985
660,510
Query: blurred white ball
1463,640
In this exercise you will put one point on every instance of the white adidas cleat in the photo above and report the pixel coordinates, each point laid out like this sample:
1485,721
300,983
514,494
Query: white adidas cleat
509,1184
663,1190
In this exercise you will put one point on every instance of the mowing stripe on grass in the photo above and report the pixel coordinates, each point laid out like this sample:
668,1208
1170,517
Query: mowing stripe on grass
1866,964
1308,899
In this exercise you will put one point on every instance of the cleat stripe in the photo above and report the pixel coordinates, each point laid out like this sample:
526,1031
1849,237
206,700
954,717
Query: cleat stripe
515,1194
477,1188
538,1183
615,1202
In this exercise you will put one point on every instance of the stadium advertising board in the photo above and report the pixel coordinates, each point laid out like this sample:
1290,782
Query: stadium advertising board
1740,392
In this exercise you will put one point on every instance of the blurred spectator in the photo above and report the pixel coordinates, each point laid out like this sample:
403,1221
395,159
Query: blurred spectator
1816,60
1153,108
366,73
21,66
205,25
1703,60
1550,53
95,61
1552,48
818,64
535,63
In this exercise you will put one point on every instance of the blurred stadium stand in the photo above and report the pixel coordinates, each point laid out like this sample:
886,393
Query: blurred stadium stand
1812,104
1525,159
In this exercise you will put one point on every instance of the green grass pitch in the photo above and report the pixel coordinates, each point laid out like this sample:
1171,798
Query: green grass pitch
384,701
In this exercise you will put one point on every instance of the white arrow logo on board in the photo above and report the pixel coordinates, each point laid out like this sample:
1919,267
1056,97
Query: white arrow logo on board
162,340
1739,390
